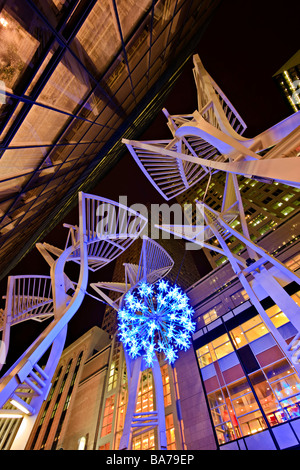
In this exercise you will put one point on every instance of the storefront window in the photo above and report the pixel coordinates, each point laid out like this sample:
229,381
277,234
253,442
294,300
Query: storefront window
268,396
252,423
225,433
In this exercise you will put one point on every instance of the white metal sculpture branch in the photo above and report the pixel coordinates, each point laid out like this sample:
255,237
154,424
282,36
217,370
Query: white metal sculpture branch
256,269
154,264
209,140
95,242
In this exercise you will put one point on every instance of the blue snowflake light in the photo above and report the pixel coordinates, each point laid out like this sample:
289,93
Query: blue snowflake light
156,318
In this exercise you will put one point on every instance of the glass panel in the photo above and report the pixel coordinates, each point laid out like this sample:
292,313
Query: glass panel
40,126
221,340
251,323
273,310
4,113
224,350
170,432
252,423
220,414
206,355
277,316
108,416
215,398
244,404
20,161
286,387
239,388
256,332
296,297
268,401
144,442
67,86
20,35
53,9
225,433
238,337
205,360
98,40
294,410
280,369
42,68
279,319
129,13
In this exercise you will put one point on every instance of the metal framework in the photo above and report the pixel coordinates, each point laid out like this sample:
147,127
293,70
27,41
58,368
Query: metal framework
209,140
217,123
256,270
26,384
154,264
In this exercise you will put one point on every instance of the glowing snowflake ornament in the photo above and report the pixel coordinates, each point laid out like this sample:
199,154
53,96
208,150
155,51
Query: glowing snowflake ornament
156,318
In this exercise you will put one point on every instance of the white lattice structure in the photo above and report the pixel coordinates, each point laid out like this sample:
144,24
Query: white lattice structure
29,298
154,264
217,125
256,270
25,386
210,140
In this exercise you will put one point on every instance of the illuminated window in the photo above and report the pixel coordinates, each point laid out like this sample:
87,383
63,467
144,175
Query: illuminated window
145,441
296,297
293,263
288,196
210,316
105,446
245,406
82,443
108,416
122,408
166,385
277,317
222,346
145,395
287,210
170,432
113,377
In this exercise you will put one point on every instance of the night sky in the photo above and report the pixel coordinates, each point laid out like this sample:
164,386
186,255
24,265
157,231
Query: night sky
244,45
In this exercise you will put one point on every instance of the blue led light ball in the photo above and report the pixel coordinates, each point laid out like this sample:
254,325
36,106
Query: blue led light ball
155,318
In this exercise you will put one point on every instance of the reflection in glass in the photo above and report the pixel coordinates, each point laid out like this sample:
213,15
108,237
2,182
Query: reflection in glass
98,40
215,398
252,423
225,433
67,86
18,46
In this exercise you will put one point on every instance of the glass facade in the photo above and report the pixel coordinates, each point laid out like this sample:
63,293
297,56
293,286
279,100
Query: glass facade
250,384
71,74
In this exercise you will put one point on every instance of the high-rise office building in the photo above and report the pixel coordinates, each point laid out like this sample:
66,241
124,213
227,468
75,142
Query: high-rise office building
74,88
266,207
288,81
